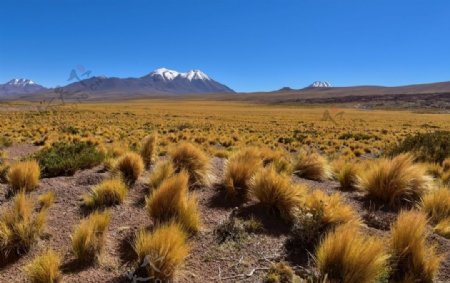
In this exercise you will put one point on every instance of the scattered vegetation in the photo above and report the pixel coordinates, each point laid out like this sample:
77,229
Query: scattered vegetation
312,166
191,159
24,176
148,149
130,166
108,193
44,268
64,159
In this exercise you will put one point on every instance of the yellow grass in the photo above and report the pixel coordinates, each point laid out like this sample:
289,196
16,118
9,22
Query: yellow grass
148,149
24,176
109,192
347,255
162,251
312,166
437,204
44,268
46,200
130,166
162,171
443,228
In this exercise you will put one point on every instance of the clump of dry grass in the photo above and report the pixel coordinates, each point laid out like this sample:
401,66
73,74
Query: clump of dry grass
276,192
443,228
239,169
446,165
131,166
188,157
89,236
19,228
171,201
148,149
396,181
413,259
347,255
347,176
44,268
162,251
24,176
280,272
107,193
162,171
46,200
312,166
437,204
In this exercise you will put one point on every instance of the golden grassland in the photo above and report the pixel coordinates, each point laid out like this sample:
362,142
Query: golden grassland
220,127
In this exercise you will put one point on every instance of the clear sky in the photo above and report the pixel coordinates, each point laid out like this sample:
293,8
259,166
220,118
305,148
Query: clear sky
248,45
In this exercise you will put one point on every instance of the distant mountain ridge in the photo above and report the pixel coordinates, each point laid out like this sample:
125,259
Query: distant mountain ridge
20,86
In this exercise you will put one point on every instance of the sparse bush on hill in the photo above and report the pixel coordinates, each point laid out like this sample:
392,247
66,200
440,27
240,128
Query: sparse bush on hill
171,201
239,169
431,147
347,255
161,172
161,252
276,192
312,166
130,166
24,176
44,268
107,193
64,159
88,238
413,260
19,226
395,182
194,161
148,149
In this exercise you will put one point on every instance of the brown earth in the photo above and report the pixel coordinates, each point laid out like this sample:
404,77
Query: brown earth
245,260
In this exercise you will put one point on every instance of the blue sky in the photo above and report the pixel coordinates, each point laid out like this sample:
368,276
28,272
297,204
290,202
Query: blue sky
249,45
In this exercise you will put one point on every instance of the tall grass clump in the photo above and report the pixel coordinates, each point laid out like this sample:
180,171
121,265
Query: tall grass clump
24,176
162,171
413,259
88,238
239,169
20,226
162,252
46,200
347,176
443,228
312,166
395,182
188,157
130,166
346,255
64,159
44,268
108,193
172,201
148,149
436,204
276,192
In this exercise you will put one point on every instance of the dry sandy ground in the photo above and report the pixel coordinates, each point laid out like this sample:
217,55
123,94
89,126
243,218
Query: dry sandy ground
245,260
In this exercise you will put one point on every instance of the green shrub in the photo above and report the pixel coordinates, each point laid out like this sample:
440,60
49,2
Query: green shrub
431,147
64,159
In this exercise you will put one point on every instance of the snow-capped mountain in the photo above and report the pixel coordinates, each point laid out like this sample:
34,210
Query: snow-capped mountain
320,84
159,81
20,86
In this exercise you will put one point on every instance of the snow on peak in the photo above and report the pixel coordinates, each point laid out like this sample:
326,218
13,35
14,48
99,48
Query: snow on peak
20,82
320,84
169,75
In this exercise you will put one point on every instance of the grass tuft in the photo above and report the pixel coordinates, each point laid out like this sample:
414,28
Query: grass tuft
188,157
108,193
436,204
44,268
46,200
348,176
312,166
24,176
130,166
148,149
162,171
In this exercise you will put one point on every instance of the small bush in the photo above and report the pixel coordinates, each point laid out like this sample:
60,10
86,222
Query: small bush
276,192
64,159
162,171
395,182
431,147
19,228
46,200
312,166
280,273
413,259
239,169
107,193
148,149
443,228
348,177
44,268
24,176
172,202
346,255
162,251
437,204
89,236
130,166
194,161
